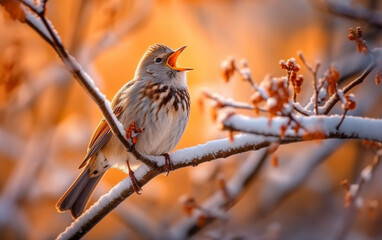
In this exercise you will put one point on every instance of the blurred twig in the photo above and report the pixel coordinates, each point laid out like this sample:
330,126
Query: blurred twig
344,9
354,198
223,102
188,226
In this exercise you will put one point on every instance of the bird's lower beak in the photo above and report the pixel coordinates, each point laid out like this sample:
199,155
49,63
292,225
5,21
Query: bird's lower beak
171,61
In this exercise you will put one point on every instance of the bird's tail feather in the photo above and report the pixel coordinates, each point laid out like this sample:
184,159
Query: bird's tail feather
79,193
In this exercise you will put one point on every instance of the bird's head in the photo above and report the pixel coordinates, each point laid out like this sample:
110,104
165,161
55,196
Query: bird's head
159,63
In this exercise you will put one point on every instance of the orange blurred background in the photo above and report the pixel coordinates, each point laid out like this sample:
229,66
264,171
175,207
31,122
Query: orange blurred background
47,118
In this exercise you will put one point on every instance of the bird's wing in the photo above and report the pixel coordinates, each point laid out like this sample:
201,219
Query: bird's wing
101,135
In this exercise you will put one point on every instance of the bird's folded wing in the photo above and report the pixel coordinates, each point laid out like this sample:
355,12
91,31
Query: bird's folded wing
101,135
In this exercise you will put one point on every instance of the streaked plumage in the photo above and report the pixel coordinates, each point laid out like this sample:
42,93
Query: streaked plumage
157,100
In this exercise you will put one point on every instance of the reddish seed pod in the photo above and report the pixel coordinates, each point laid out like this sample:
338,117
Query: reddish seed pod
128,133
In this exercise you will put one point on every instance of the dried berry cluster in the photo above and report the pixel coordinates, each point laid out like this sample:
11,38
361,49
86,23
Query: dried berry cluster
132,132
292,68
356,35
332,76
277,95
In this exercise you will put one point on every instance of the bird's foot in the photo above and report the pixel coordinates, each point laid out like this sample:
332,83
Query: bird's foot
167,163
134,181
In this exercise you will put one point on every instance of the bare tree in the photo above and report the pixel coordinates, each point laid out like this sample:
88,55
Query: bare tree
284,120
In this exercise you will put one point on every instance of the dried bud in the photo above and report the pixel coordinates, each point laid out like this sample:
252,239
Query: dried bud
361,46
296,128
214,113
230,136
332,76
275,161
356,36
348,199
189,205
345,184
256,98
201,103
351,35
128,133
283,64
283,129
358,32
202,219
350,102
378,78
228,69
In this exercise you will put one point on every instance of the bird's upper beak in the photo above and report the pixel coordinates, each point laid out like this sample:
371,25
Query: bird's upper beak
171,61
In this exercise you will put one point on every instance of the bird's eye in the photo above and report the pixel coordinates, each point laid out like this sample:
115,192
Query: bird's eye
158,60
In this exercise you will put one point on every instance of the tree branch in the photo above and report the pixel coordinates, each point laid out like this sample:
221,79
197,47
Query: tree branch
334,99
324,126
192,156
46,31
344,9
224,148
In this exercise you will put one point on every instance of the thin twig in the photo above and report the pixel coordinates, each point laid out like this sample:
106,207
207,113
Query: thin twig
314,73
350,215
223,102
334,99
188,226
297,107
342,118
344,9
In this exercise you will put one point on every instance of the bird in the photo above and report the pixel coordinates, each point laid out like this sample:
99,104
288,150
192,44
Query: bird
157,102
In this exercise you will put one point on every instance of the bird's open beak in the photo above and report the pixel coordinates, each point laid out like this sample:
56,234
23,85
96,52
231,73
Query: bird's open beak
171,61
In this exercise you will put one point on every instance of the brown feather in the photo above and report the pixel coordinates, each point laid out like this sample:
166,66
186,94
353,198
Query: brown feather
100,136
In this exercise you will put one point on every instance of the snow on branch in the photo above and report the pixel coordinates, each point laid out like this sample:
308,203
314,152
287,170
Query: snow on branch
320,127
222,148
192,156
284,124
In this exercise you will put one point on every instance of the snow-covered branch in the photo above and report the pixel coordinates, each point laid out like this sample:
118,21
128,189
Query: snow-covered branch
192,156
367,129
320,127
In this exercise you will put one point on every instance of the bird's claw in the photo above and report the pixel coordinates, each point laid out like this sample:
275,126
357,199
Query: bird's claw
134,181
167,163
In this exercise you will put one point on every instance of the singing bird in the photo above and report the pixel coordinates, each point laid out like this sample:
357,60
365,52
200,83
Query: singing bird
156,100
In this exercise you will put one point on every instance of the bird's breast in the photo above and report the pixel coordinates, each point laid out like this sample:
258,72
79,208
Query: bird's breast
164,114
